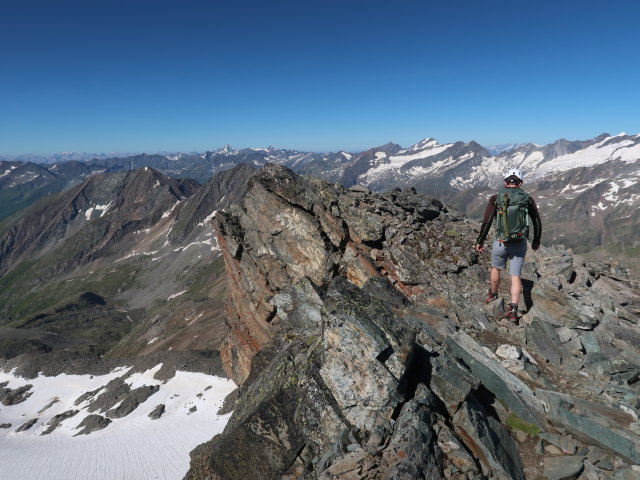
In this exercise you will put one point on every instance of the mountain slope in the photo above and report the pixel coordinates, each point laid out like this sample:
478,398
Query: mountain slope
89,266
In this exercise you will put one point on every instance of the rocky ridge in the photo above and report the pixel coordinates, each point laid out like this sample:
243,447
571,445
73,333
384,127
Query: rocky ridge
364,350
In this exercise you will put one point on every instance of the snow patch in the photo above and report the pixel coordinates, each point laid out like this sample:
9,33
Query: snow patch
130,447
168,212
100,208
207,219
175,295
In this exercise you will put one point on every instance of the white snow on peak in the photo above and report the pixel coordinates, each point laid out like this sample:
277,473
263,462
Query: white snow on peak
599,153
395,162
346,155
208,219
421,145
134,446
381,155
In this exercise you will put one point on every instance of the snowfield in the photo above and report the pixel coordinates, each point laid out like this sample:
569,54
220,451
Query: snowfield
132,447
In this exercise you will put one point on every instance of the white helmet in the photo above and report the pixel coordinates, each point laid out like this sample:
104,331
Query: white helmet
514,172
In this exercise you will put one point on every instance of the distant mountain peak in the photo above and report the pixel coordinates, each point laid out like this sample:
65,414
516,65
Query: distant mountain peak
225,150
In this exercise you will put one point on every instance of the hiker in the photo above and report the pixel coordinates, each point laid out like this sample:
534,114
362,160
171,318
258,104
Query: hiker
510,207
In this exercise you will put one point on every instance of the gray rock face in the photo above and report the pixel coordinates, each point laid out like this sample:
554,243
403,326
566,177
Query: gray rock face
354,334
363,348
57,420
507,388
27,425
134,398
92,423
118,393
489,441
157,412
14,396
596,424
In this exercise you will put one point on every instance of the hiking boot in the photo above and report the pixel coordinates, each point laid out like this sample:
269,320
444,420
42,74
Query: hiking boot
512,312
491,296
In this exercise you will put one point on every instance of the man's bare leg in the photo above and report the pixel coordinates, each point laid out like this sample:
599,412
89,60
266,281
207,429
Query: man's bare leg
495,279
516,288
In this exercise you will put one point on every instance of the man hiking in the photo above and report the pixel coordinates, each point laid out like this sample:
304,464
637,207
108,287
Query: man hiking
510,207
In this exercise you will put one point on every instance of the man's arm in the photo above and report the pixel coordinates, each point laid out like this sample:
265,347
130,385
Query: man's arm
487,220
537,224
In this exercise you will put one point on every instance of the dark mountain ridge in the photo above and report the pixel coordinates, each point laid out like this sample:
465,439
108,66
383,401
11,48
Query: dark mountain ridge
135,239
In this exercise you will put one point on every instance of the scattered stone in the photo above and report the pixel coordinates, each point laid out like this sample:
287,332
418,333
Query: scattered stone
566,467
604,426
605,463
553,450
567,446
5,425
543,339
509,352
627,474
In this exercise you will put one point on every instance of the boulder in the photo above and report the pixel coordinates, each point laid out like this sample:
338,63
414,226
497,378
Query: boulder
489,441
513,392
593,423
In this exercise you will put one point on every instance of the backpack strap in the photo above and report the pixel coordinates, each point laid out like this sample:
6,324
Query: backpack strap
503,212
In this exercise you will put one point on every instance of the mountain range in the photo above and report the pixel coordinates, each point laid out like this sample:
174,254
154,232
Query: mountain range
588,190
352,321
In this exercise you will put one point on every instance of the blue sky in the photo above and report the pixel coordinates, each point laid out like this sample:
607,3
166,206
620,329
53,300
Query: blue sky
134,76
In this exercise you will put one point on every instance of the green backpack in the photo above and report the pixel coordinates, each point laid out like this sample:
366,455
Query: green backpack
512,214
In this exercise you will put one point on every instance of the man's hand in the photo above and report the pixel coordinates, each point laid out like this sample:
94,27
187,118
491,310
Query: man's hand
535,245
479,248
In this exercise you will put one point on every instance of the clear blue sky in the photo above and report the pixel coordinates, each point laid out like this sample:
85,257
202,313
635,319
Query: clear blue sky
140,75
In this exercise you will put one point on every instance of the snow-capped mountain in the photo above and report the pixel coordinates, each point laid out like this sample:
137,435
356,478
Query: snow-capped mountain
460,173
502,147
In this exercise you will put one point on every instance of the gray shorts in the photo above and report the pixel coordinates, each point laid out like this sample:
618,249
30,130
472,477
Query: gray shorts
514,251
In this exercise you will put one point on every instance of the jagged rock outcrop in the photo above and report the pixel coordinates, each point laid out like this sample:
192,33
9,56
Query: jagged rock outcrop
364,350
